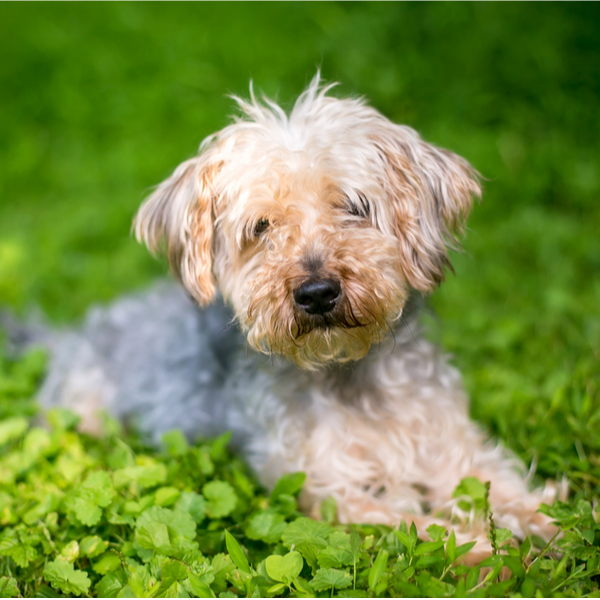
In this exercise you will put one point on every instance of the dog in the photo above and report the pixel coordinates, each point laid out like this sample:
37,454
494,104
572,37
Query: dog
304,244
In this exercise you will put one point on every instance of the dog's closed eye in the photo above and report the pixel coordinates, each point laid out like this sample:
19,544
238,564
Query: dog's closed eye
261,226
357,206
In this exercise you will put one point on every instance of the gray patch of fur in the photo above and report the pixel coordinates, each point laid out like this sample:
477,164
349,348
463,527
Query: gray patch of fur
163,361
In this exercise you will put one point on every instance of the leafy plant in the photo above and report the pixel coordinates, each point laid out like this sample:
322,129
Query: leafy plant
110,517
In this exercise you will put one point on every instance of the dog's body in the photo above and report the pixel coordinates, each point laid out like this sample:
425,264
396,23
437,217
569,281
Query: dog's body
320,230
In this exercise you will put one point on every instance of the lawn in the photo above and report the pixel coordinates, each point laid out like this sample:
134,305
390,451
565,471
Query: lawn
99,102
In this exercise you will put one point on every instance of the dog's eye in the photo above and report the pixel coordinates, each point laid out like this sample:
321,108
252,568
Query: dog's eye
358,207
353,210
261,226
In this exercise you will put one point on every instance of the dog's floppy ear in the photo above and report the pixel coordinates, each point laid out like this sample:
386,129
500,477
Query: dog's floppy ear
432,192
177,219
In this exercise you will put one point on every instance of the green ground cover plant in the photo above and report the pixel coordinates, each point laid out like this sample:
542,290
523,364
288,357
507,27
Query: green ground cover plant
100,102
109,517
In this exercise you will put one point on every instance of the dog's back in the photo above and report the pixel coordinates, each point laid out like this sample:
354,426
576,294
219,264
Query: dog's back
154,358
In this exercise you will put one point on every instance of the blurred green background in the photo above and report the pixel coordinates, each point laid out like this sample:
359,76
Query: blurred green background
99,102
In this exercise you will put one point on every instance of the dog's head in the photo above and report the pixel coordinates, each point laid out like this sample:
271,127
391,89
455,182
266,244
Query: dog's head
314,226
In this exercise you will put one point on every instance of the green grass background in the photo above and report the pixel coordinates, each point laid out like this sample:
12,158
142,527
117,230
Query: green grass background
98,102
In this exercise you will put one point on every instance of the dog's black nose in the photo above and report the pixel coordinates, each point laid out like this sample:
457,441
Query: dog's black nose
317,296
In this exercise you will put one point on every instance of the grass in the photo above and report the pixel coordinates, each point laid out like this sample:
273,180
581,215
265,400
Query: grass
101,102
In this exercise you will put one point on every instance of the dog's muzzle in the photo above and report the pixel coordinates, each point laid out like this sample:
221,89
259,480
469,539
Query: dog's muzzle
318,296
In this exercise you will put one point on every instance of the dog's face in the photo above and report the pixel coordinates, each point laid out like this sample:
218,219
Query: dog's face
314,226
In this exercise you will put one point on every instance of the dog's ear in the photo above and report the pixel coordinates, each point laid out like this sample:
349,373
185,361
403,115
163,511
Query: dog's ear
431,192
177,219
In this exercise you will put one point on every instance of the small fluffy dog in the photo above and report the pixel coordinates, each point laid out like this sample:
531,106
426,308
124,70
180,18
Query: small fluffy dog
317,233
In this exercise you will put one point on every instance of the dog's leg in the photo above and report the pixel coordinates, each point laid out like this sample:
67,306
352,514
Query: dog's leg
382,469
514,506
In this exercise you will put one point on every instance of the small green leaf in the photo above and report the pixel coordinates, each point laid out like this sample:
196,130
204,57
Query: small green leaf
472,578
165,496
110,585
201,589
175,442
266,525
514,564
570,523
473,489
503,536
174,570
236,553
491,561
436,532
290,484
106,563
406,541
154,536
284,568
304,530
427,561
329,510
70,552
62,419
179,522
146,476
219,445
331,557
427,547
203,460
451,548
141,583
166,531
525,547
63,576
377,569
21,553
12,428
194,504
92,546
8,587
98,485
326,579
463,549
221,499
222,566
276,589
86,511
285,505
243,483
